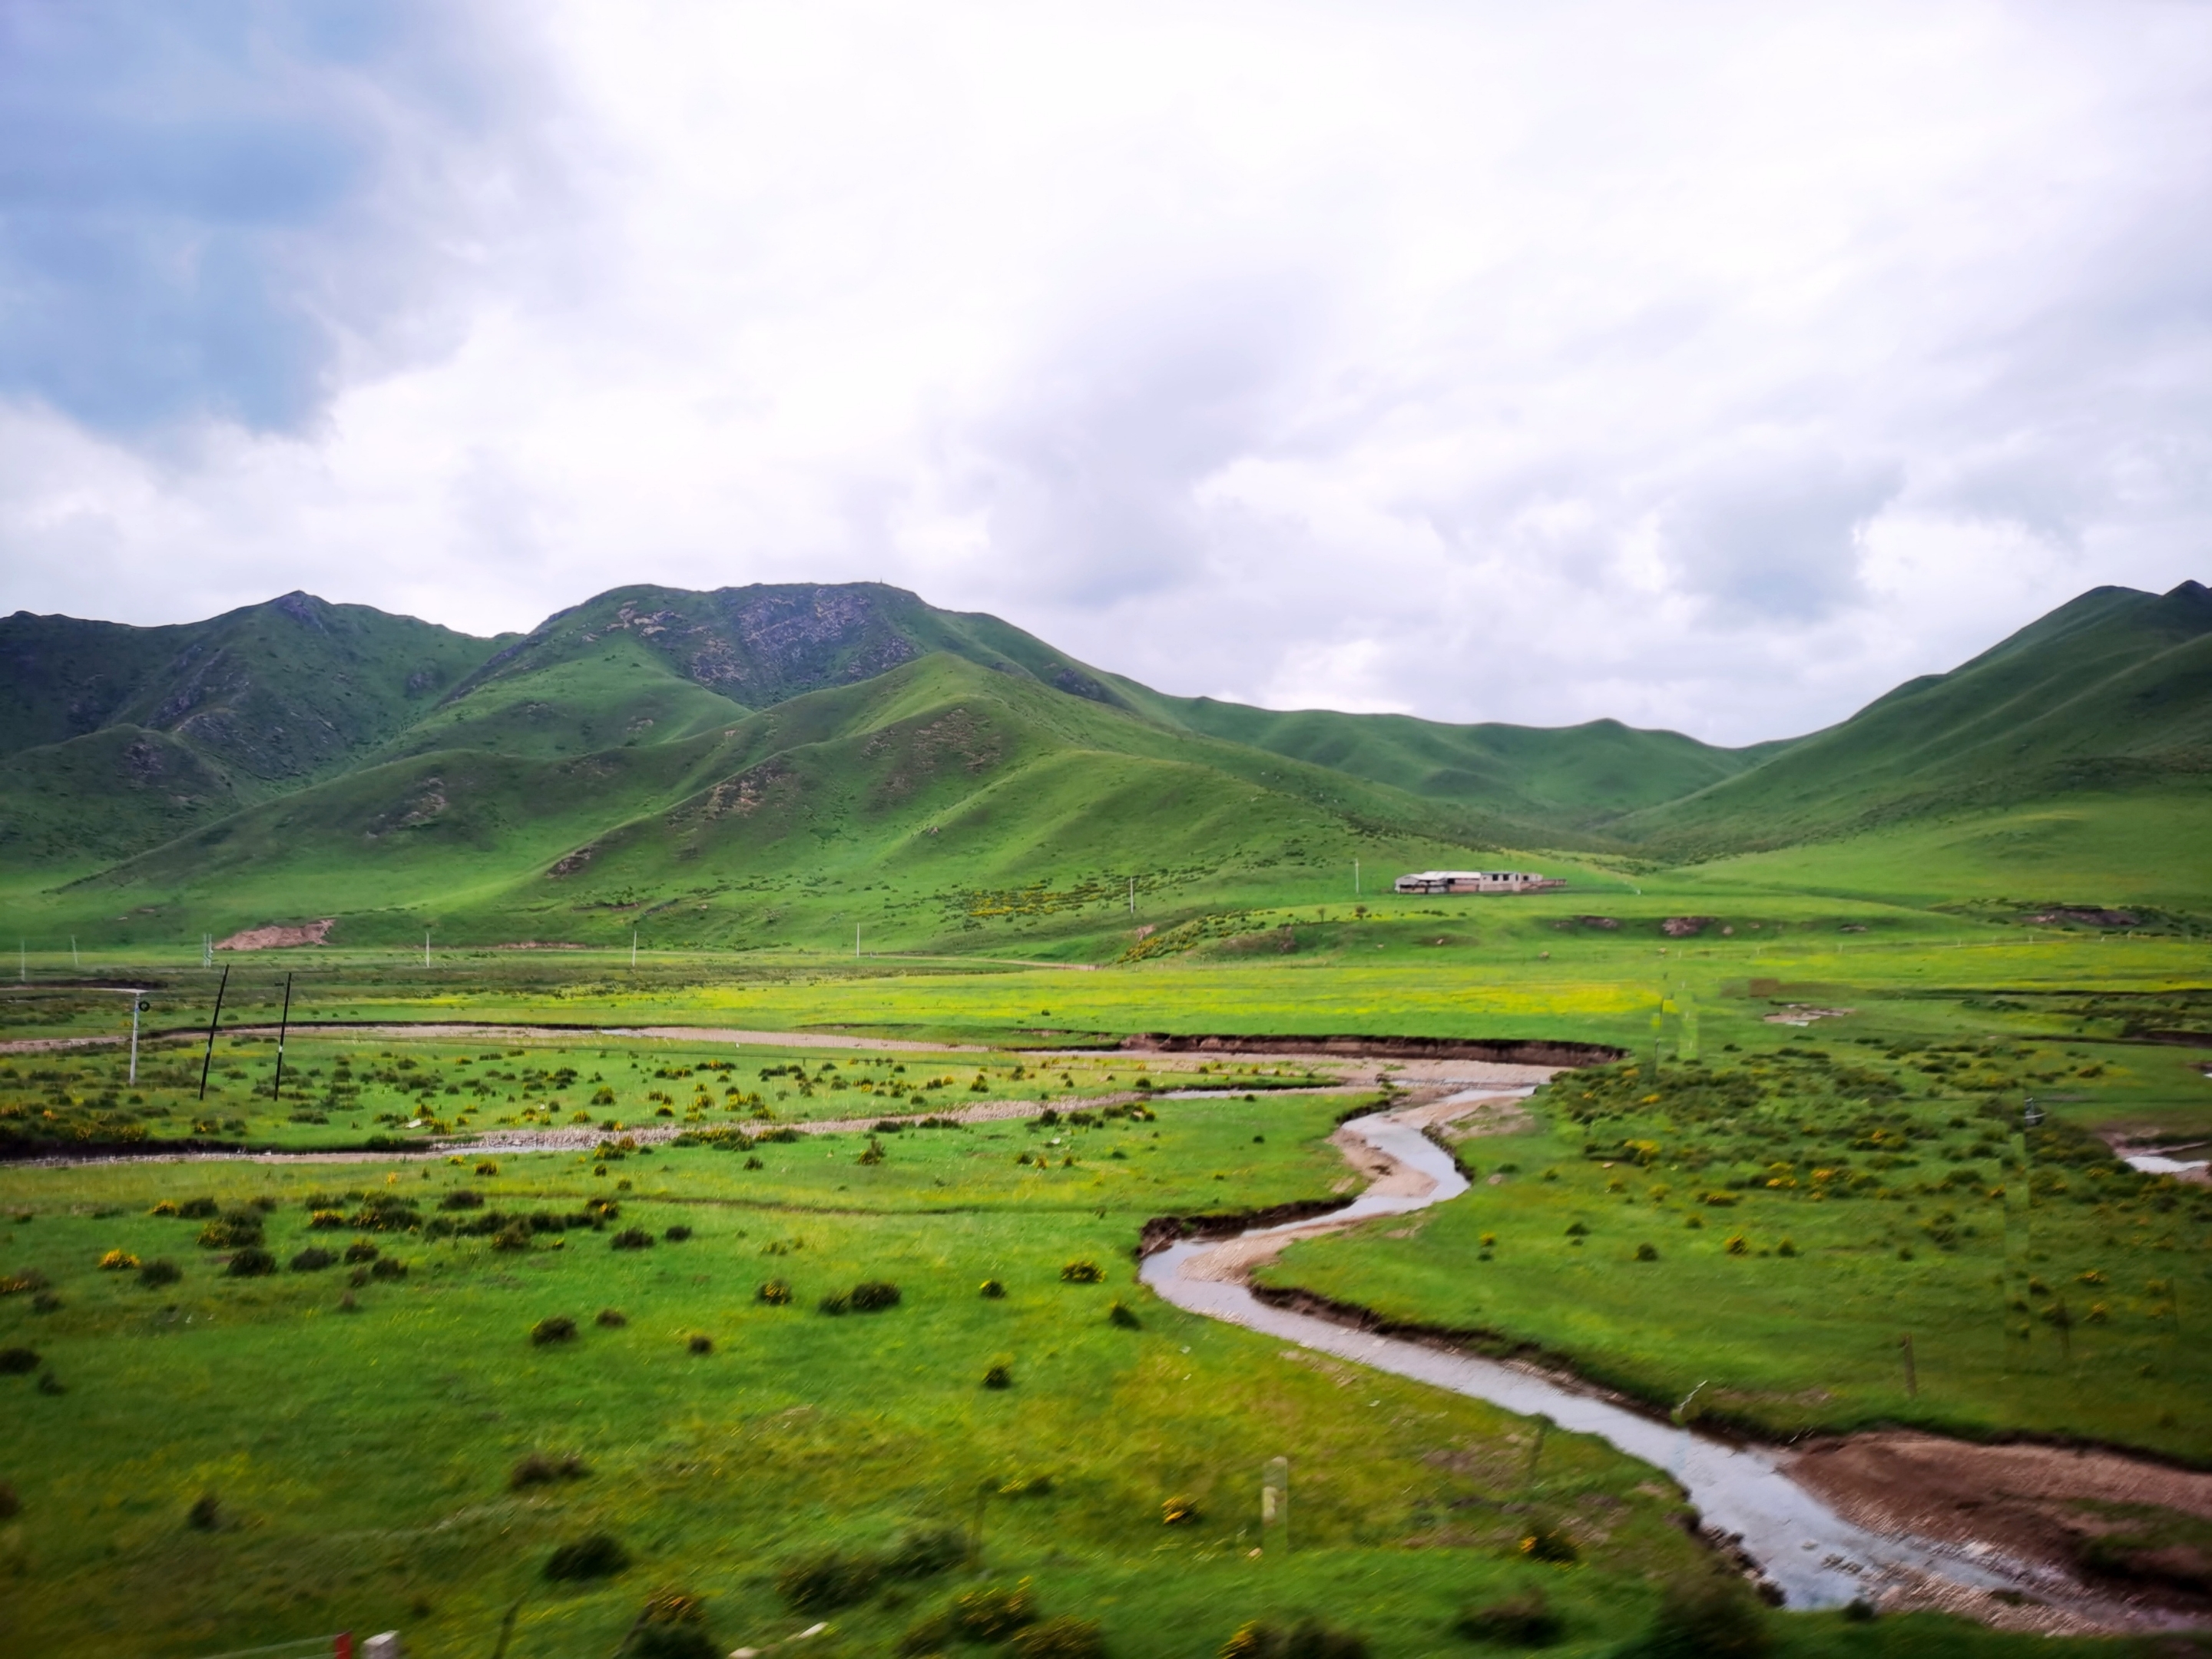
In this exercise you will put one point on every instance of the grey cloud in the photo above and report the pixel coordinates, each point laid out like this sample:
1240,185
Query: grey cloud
207,209
1778,536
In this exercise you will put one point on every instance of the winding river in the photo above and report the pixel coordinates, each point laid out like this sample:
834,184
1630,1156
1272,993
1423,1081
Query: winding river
1813,1556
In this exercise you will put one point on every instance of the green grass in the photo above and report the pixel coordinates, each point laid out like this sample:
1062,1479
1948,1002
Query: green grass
1808,1209
359,1458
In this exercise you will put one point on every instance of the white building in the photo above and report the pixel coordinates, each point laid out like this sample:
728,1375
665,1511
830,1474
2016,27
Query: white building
1478,881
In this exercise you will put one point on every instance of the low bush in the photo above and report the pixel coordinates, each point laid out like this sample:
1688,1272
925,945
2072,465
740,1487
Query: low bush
557,1328
197,1209
1083,1272
999,1376
158,1273
595,1555
829,1579
118,1261
775,1293
362,1250
992,1290
873,1295
678,1234
1180,1511
674,1625
538,1469
612,1318
10,1505
1647,1252
1708,1618
1123,1315
1550,1544
632,1239
236,1231
313,1261
18,1362
1310,1638
1064,1637
205,1514
1525,1620
487,1168
461,1199
387,1267
252,1263
166,1207
701,1343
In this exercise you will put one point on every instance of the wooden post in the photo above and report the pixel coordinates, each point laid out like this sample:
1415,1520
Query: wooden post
209,1060
1275,1503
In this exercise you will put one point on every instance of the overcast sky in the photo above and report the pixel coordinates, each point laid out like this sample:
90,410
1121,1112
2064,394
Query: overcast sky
1713,367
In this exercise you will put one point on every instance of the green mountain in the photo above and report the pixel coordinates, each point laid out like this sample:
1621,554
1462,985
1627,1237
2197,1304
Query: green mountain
1580,777
2113,690
744,761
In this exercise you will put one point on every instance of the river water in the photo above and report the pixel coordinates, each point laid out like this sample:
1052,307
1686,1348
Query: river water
1813,1556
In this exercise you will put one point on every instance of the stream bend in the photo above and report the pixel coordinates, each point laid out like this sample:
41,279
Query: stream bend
1812,1556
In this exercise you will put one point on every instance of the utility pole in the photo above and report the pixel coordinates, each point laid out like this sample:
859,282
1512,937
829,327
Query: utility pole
632,949
137,1006
1355,878
426,947
284,1025
74,962
856,941
1132,895
214,1019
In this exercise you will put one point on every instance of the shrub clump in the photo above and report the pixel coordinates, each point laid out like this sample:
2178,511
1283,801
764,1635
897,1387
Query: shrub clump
18,1362
557,1328
1063,1637
1001,1376
237,1231
836,1579
118,1261
1550,1544
205,1514
1310,1638
674,1625
538,1469
1083,1272
1709,1618
1123,1315
775,1293
387,1267
1525,1620
251,1263
677,1233
1180,1511
595,1555
632,1239
159,1272
1647,1252
362,1250
992,1291
870,1296
612,1319
313,1261
701,1343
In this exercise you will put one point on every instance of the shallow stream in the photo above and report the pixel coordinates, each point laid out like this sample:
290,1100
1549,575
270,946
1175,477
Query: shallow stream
1813,1555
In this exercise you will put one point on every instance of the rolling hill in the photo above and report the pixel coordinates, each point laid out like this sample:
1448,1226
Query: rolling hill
739,763
2110,691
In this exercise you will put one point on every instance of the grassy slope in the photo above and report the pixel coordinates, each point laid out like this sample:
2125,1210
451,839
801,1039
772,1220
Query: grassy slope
2112,689
1565,778
69,807
1020,783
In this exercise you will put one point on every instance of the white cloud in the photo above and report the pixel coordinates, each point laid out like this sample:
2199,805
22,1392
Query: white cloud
1714,368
